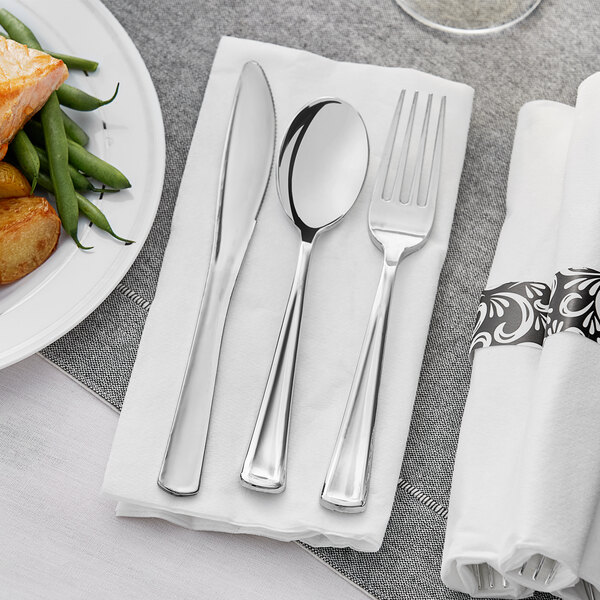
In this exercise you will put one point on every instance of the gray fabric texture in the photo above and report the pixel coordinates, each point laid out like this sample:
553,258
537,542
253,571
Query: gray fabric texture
546,56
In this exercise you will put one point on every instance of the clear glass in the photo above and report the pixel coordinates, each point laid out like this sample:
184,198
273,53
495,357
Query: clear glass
469,16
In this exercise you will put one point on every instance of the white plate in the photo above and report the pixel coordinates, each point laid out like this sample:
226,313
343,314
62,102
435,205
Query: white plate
46,304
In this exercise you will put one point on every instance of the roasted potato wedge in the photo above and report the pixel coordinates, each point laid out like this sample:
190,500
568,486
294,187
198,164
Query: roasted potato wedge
29,232
13,184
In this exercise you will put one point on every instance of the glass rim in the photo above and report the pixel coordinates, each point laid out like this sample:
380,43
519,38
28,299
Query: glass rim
465,31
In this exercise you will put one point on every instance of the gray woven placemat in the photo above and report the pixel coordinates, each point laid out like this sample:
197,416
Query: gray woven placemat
546,56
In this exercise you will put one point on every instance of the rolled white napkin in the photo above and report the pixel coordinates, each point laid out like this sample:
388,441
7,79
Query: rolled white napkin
495,420
559,467
340,289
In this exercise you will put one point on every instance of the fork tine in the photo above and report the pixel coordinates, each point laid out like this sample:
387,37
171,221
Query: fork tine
491,581
382,173
436,163
415,185
539,568
477,570
401,168
590,590
552,573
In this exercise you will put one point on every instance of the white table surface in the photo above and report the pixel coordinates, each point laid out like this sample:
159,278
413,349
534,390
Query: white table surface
61,540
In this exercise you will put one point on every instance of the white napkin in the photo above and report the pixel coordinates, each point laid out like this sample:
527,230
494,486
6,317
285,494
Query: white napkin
560,461
341,284
496,414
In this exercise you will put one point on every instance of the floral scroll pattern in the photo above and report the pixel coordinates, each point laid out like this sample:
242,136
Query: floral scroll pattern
575,303
512,313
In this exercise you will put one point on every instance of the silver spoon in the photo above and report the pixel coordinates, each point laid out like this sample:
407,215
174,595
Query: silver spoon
322,166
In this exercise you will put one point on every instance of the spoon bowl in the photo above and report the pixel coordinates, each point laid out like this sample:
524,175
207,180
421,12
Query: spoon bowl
322,164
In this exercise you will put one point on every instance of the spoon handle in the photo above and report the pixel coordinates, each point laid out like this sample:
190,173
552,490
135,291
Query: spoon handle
265,464
347,480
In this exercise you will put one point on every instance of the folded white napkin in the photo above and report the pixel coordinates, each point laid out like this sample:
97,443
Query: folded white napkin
527,476
560,461
496,412
341,284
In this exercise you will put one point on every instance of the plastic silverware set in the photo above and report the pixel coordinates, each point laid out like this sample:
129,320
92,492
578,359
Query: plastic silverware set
321,168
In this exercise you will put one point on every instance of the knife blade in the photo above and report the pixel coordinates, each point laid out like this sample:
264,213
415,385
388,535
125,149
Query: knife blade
245,169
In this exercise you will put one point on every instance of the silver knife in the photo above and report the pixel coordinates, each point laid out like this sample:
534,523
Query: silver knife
245,169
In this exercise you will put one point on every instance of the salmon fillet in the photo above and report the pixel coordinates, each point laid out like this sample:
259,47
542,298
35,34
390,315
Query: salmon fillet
27,78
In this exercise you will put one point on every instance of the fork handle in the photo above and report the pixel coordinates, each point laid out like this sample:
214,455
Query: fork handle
347,481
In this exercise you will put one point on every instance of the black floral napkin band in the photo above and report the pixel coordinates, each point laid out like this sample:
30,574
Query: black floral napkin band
512,313
526,312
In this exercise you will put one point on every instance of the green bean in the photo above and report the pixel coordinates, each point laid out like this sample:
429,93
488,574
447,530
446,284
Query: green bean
36,132
73,130
58,155
46,182
90,164
95,167
97,217
79,100
27,157
74,62
17,30
80,181
86,208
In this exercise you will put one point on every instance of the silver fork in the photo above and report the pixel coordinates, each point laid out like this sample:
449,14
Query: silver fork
400,219
541,568
488,579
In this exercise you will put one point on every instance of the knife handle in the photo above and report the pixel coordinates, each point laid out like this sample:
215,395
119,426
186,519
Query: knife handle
264,468
182,463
